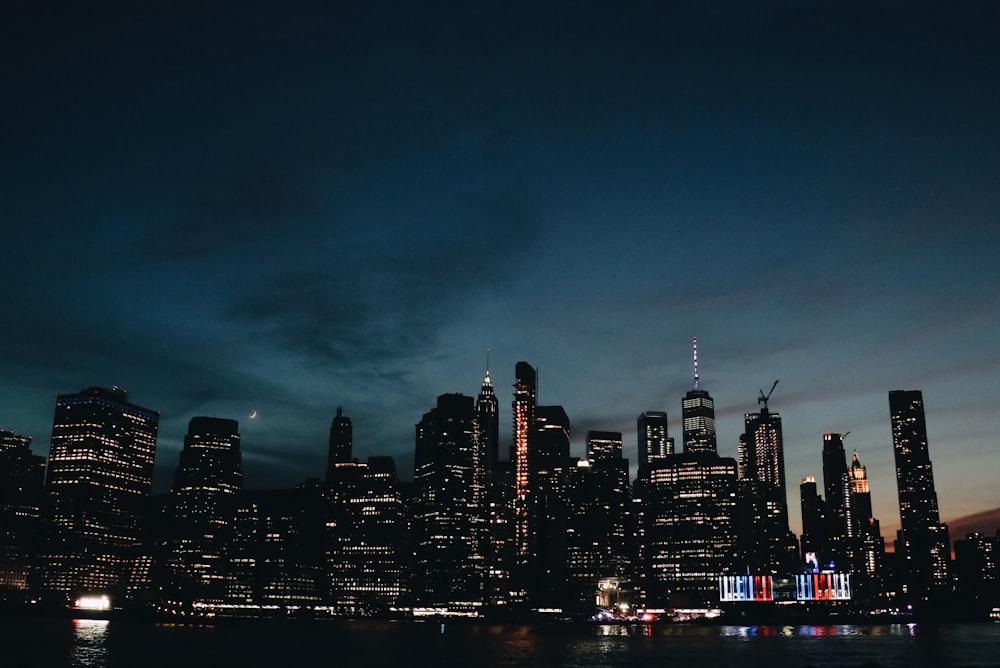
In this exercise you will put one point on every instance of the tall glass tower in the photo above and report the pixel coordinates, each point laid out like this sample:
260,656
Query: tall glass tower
698,415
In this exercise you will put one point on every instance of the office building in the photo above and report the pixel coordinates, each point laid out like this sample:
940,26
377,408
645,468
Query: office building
765,543
523,415
22,475
449,521
100,474
653,442
687,506
367,563
923,549
200,510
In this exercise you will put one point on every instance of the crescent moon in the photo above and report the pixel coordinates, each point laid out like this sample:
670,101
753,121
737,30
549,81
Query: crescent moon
253,415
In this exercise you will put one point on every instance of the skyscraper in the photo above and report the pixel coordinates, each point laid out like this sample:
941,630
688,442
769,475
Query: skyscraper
867,544
698,415
201,508
922,544
449,519
604,446
836,485
523,412
651,431
100,474
488,415
22,475
365,551
341,442
687,503
765,543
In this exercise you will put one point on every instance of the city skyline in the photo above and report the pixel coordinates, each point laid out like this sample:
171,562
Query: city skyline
268,211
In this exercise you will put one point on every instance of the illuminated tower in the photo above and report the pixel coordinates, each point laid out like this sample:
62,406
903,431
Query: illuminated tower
868,546
100,474
922,544
651,431
698,414
766,544
341,442
488,415
523,409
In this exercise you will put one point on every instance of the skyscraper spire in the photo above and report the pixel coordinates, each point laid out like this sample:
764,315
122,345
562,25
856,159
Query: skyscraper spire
694,346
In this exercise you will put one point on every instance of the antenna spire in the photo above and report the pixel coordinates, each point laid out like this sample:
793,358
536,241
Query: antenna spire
694,346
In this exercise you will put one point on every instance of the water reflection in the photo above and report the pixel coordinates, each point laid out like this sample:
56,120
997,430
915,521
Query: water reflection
89,638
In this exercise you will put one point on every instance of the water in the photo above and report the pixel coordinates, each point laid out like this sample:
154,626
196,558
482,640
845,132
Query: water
41,643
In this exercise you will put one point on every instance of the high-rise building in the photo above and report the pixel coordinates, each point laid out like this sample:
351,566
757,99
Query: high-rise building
598,533
365,548
698,415
99,476
976,572
815,524
341,442
604,446
22,475
277,555
523,413
488,415
448,521
923,549
765,543
836,485
549,462
651,431
201,509
687,504
868,546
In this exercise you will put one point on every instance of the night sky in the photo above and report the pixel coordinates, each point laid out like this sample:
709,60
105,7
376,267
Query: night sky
236,207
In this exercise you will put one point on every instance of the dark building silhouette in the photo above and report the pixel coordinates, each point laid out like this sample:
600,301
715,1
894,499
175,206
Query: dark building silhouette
548,506
836,484
449,520
976,573
277,553
100,474
816,522
923,548
201,508
22,475
341,442
598,529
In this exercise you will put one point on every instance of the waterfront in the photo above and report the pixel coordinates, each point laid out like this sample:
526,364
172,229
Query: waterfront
41,643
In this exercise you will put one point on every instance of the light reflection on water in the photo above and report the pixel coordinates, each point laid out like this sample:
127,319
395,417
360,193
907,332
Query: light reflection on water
41,643
89,637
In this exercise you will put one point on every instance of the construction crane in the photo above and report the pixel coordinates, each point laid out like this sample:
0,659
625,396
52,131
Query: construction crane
762,399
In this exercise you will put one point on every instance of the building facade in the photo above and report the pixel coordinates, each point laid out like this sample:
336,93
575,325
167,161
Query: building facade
100,474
